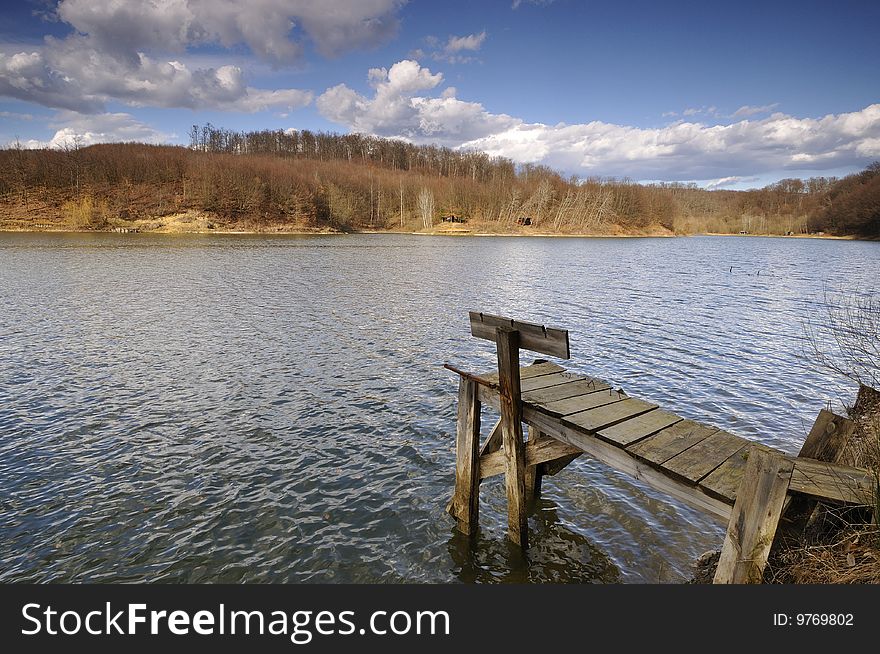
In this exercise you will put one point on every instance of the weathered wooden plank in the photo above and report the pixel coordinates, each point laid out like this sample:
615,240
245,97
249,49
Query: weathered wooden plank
825,442
671,441
534,337
537,452
564,391
635,429
593,420
545,381
753,520
832,481
619,459
533,471
526,372
698,461
466,498
582,402
511,425
724,481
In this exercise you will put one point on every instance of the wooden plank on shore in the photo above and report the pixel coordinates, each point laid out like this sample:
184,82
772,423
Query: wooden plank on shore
724,481
833,481
564,391
466,498
526,372
582,402
593,420
537,452
754,518
513,446
671,441
825,442
532,336
698,461
635,429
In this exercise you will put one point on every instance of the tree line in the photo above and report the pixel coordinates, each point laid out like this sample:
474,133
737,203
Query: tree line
352,181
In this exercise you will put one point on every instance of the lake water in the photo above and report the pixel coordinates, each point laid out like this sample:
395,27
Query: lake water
232,408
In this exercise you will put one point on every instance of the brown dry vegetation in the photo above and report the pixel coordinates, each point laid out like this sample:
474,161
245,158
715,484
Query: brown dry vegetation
269,181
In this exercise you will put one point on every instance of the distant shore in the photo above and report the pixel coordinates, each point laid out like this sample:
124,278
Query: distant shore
329,231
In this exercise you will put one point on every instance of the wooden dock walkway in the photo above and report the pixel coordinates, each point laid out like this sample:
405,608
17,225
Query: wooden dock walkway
747,484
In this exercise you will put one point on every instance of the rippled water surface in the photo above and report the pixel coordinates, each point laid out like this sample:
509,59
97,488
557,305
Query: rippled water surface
235,408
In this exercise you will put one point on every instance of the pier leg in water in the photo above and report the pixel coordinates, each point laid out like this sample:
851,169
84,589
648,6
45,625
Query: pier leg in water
534,474
507,341
466,499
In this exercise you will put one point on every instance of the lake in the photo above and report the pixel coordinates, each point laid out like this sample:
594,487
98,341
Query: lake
237,408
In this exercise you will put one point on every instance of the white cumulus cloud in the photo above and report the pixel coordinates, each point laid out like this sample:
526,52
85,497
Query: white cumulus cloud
74,129
406,105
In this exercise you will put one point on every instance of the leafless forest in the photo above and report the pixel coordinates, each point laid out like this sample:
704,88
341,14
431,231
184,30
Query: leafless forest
353,182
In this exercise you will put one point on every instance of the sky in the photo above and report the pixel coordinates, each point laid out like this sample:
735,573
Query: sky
724,94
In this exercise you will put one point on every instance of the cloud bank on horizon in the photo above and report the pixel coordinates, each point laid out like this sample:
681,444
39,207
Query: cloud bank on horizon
119,58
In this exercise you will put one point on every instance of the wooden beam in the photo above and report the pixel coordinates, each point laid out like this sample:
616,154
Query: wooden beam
833,481
536,452
534,337
493,440
466,498
754,518
616,458
507,340
533,470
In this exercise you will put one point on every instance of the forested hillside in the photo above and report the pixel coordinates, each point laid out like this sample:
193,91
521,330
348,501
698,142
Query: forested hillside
288,180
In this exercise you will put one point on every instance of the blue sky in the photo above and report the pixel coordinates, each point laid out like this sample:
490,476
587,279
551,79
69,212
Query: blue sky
730,95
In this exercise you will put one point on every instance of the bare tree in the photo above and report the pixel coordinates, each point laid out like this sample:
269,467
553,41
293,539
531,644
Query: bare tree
847,340
426,207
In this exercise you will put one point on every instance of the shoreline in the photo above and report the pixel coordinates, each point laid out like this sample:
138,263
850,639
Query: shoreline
451,233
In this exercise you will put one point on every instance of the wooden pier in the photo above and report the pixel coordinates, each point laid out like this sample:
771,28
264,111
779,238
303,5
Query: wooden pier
749,485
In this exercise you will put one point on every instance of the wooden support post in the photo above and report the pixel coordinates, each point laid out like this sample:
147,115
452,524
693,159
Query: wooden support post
754,518
534,474
466,498
492,444
507,340
825,442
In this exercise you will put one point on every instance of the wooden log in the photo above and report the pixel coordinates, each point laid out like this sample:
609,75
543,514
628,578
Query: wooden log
466,498
754,518
507,341
534,337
